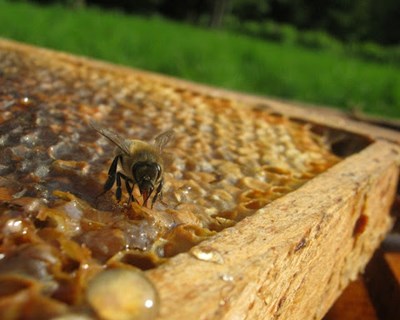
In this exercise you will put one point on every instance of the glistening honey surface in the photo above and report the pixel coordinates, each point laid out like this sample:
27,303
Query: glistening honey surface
227,161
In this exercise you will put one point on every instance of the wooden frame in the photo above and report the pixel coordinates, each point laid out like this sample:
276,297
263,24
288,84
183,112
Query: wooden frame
293,258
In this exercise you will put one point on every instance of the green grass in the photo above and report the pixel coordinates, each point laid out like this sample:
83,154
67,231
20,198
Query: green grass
218,58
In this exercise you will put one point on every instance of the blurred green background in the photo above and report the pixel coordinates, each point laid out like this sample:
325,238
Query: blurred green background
341,53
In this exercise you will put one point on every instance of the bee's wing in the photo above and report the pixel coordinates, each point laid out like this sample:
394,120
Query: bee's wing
115,138
163,138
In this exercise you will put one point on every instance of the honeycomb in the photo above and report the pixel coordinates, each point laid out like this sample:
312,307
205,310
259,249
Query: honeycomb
227,160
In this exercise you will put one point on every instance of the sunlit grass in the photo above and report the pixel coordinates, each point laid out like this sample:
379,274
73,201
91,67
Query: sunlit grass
214,57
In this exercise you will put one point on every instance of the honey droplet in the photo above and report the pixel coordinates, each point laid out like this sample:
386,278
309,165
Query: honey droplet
207,254
123,294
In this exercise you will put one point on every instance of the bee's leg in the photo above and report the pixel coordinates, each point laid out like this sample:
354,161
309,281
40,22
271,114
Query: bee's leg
158,192
128,187
118,192
111,176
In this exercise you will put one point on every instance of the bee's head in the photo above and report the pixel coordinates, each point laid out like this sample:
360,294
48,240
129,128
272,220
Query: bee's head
146,175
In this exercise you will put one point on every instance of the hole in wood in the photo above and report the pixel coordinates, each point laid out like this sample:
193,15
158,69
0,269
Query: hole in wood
348,145
360,226
343,144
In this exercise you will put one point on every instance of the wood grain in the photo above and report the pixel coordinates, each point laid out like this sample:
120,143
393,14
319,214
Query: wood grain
293,258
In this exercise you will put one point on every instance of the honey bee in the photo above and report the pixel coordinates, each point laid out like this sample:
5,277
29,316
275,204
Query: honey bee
138,163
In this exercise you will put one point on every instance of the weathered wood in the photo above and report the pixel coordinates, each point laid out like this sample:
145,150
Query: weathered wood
292,259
